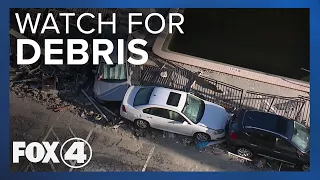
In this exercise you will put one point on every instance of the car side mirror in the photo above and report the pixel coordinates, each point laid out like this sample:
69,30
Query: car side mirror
299,153
185,123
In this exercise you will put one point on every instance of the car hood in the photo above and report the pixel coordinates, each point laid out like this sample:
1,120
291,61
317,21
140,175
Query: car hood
108,91
214,117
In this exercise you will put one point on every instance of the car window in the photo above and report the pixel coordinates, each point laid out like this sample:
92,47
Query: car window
301,136
157,112
280,143
271,122
264,138
176,116
193,109
147,111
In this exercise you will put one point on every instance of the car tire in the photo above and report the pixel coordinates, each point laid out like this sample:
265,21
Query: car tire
244,152
142,124
202,137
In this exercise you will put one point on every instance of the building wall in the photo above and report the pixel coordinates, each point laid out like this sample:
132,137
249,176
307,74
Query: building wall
162,48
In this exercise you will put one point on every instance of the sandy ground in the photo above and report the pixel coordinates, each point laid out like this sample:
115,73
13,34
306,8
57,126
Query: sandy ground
112,151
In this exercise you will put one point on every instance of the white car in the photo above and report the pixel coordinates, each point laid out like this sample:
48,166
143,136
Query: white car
174,111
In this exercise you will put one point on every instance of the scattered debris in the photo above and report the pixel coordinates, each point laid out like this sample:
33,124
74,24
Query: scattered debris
49,84
25,80
171,135
164,74
201,145
115,127
58,109
83,115
98,117
168,134
140,133
89,98
186,141
108,110
91,113
262,163
280,166
232,155
164,134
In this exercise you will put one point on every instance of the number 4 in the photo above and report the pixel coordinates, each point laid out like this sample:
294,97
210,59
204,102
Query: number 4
76,153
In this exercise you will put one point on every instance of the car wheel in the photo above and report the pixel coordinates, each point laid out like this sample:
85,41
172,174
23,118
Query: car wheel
142,123
305,167
202,137
244,152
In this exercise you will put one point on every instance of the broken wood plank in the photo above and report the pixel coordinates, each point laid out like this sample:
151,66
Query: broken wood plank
94,104
25,80
230,153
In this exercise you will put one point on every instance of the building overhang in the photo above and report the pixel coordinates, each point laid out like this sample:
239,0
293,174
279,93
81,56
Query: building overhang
161,48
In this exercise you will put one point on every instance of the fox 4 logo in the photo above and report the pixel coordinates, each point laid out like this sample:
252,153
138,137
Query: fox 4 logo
36,152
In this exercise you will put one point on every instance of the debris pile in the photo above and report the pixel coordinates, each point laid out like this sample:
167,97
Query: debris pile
52,101
262,164
51,86
90,115
186,141
140,133
213,147
169,135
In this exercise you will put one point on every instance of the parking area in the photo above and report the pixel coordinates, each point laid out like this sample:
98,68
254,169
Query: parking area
113,149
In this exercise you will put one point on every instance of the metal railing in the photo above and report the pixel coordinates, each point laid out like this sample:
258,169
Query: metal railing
166,77
218,92
303,114
296,108
226,95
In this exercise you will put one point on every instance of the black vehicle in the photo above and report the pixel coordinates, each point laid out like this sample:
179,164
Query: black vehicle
269,135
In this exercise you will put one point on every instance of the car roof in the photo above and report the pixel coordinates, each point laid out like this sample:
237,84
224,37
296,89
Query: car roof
268,121
160,97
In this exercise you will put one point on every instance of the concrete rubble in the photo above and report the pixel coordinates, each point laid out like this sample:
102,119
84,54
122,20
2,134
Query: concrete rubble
57,89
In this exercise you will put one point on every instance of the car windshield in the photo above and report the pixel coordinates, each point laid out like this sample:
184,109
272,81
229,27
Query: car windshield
143,96
301,136
112,72
194,108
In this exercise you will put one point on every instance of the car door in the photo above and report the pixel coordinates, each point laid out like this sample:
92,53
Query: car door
285,151
179,124
261,142
157,117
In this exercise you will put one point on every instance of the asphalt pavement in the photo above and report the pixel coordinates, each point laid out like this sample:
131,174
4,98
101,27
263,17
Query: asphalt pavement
112,151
